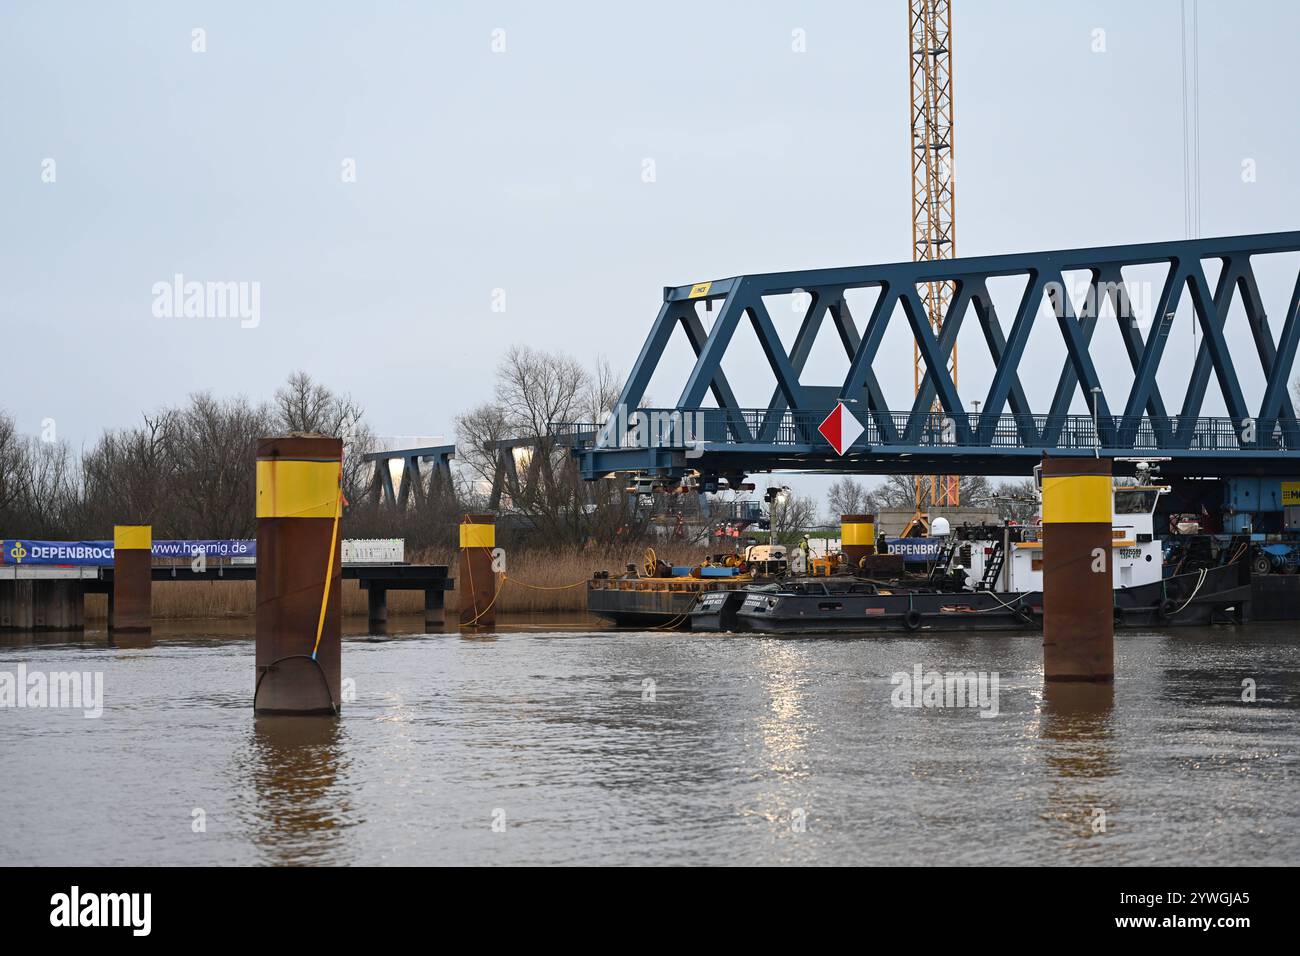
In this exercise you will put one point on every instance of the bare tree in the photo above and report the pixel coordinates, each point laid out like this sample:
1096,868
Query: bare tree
895,491
47,488
976,491
536,390
1016,500
477,433
189,472
127,476
791,515
848,496
305,405
12,452
899,491
213,445
602,392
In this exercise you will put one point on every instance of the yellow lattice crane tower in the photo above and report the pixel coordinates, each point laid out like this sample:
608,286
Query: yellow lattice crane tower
933,226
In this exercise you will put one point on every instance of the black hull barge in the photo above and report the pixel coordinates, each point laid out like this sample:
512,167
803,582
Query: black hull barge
1219,595
652,603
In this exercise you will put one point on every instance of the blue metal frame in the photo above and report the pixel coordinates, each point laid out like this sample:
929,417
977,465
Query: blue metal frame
994,441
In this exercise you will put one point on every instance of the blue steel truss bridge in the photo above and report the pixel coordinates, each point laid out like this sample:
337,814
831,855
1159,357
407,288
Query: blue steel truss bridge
1005,435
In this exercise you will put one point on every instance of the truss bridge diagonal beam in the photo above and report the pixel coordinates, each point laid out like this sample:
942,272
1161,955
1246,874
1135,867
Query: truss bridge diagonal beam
416,487
1008,434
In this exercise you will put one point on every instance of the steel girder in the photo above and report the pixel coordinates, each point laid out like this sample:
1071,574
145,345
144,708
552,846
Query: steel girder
437,485
1136,423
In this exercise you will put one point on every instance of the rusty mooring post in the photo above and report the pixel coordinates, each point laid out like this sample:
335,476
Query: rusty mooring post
132,604
478,583
299,566
1078,589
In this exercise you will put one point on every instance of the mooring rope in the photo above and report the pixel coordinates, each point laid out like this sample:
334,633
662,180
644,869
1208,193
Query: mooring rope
672,623
544,587
1016,605
469,568
329,568
1196,590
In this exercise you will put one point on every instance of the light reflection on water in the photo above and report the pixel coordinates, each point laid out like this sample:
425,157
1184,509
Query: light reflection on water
551,733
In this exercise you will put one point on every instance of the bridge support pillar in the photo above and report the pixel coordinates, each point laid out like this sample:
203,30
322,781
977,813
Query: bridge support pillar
1078,581
299,567
435,612
478,581
376,610
132,603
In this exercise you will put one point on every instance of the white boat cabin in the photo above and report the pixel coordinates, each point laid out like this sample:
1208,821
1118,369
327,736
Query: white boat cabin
1136,555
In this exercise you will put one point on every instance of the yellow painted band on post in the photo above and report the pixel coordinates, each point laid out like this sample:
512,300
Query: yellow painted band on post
132,537
700,289
857,533
297,489
478,536
1077,499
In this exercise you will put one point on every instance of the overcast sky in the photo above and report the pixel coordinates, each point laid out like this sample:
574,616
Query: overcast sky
522,171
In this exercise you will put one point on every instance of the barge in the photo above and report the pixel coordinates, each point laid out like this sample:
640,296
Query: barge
654,602
658,595
986,578
1212,596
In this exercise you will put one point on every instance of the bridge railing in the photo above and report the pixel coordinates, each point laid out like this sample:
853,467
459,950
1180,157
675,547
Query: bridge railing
676,428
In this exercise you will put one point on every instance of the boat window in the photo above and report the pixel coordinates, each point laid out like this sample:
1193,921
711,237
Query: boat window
1135,501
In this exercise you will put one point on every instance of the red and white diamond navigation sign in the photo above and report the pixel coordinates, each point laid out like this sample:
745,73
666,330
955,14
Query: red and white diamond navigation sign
841,428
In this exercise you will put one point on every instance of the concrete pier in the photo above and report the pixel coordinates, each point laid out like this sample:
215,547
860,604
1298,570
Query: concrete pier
1078,581
378,580
131,604
478,582
435,611
377,610
435,615
299,574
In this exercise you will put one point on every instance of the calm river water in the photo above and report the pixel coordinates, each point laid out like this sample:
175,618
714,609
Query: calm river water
569,745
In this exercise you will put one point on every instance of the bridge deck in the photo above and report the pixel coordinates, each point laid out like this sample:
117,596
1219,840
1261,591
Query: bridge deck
730,441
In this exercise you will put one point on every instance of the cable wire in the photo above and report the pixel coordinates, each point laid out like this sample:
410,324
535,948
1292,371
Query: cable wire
329,568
